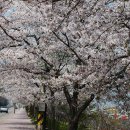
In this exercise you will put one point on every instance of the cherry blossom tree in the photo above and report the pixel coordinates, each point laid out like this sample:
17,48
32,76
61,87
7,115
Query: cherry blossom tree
79,50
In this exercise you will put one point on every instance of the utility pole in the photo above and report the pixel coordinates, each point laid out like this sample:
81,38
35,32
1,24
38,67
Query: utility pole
14,105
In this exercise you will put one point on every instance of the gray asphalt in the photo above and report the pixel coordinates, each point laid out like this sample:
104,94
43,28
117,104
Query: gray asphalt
17,121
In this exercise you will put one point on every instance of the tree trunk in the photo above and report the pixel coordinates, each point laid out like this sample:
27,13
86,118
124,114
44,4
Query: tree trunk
73,105
73,125
45,118
53,118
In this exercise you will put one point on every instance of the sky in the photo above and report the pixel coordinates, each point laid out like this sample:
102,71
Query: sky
9,12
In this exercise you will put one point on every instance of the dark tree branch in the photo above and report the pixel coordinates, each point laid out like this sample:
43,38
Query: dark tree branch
11,37
99,36
71,49
37,85
26,42
67,15
122,70
75,98
75,93
84,106
47,62
68,97
35,37
125,25
24,69
121,57
67,39
10,46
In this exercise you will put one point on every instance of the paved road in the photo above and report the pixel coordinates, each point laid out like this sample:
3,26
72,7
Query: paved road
17,121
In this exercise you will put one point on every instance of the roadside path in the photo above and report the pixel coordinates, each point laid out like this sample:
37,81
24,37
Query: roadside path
17,121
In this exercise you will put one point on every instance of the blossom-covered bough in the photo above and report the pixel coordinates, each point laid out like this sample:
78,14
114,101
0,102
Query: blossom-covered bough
77,50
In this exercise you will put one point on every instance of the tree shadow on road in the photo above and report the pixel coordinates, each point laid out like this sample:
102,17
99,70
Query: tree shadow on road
18,123
21,128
